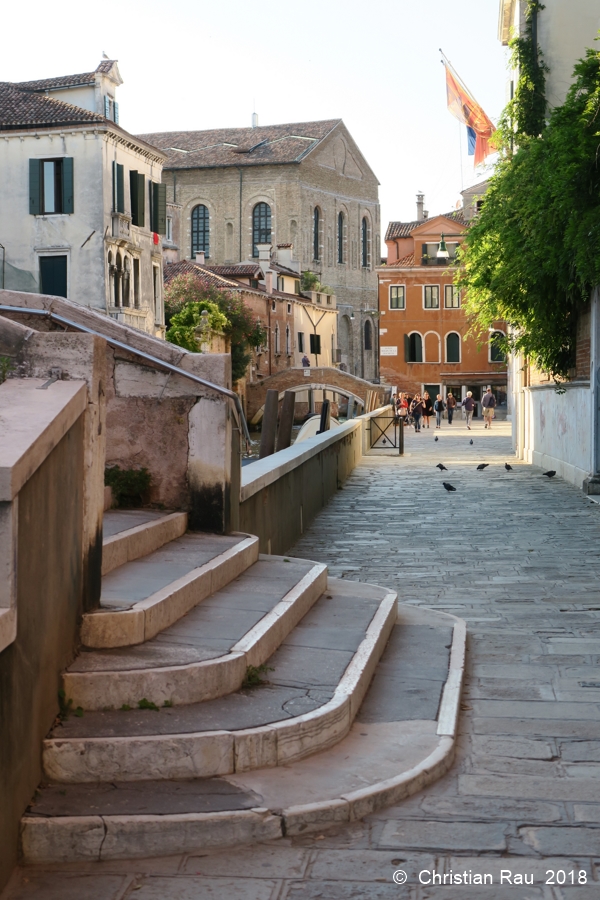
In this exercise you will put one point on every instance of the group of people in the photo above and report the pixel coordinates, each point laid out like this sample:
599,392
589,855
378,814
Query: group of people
421,408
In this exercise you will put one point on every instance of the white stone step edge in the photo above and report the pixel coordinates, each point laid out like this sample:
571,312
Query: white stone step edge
132,543
106,628
46,840
206,680
212,753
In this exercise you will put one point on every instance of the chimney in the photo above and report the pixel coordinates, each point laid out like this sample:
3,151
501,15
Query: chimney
200,258
264,256
269,282
255,120
420,204
285,255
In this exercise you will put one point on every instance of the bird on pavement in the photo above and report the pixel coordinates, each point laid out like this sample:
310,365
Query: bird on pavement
471,441
441,467
482,466
449,487
507,467
436,438
550,474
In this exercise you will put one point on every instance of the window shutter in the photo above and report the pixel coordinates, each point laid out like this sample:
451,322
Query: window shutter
120,179
67,185
106,108
133,191
315,344
418,348
116,112
141,201
35,194
159,208
407,348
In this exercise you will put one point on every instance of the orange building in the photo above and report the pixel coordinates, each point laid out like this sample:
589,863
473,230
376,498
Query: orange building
423,343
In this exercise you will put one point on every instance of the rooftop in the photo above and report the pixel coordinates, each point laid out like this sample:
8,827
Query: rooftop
397,230
23,109
65,81
263,145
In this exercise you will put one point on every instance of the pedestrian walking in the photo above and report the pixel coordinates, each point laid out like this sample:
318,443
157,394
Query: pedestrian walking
489,405
451,406
468,405
439,406
416,411
403,408
306,361
427,408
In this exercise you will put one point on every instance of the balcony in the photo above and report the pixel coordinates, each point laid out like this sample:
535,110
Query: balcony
436,261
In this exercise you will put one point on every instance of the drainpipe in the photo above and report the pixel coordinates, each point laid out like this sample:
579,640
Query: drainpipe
241,171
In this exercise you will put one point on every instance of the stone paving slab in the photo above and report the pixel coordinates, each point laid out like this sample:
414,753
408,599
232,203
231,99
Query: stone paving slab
117,520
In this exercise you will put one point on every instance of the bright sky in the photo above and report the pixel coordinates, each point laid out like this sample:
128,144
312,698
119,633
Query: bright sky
374,63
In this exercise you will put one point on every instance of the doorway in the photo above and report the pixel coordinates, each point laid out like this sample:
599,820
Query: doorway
53,275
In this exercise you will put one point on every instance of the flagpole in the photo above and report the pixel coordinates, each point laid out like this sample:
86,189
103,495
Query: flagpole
460,128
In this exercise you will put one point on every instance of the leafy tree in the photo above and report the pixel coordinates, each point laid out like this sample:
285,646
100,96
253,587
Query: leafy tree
532,256
185,299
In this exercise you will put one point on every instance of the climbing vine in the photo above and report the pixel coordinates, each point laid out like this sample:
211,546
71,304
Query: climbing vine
532,257
525,113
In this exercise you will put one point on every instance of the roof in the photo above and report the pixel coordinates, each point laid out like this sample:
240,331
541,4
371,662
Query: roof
397,230
22,109
283,270
263,145
188,267
239,269
64,81
407,262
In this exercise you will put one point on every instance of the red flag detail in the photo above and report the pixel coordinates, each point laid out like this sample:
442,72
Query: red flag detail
466,109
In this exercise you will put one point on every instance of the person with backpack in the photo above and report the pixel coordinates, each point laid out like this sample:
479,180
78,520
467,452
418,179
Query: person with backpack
416,411
489,405
451,406
439,406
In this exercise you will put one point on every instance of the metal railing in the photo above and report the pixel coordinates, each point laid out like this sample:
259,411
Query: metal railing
119,345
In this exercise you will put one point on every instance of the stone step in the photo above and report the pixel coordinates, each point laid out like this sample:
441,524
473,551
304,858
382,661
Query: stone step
206,653
403,738
319,676
131,533
141,598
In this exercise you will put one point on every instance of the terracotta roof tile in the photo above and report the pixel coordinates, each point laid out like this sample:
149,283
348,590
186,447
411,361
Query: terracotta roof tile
22,109
405,229
240,146
188,267
406,262
47,84
239,269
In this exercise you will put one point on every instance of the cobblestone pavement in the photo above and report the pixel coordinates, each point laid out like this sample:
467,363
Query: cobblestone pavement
518,556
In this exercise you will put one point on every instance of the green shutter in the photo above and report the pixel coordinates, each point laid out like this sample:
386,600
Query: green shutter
133,189
67,185
120,198
141,209
35,192
407,348
138,205
159,208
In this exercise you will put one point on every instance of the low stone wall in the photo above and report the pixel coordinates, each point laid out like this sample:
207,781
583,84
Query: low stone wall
281,494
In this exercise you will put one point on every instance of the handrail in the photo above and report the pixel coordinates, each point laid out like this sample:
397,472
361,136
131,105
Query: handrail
231,395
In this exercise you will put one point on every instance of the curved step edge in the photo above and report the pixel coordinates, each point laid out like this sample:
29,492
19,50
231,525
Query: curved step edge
104,629
207,754
206,680
125,546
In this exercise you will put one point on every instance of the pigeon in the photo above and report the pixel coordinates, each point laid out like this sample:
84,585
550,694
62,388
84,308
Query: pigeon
550,474
507,467
436,438
471,441
482,466
441,467
449,487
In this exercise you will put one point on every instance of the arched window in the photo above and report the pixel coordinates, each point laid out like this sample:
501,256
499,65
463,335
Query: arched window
126,282
413,347
453,348
365,243
497,353
261,226
277,347
200,231
368,336
316,234
340,238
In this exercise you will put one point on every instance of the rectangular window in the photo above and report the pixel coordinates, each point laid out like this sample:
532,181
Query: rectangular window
118,187
136,282
397,296
53,275
156,295
315,344
431,296
451,297
169,234
137,189
50,186
301,342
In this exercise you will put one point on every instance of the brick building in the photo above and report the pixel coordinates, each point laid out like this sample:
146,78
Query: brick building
423,328
306,184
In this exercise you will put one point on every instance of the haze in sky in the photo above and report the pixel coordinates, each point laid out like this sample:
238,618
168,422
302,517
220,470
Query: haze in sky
198,65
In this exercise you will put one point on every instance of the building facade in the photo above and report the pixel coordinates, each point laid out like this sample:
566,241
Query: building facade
304,184
424,342
83,204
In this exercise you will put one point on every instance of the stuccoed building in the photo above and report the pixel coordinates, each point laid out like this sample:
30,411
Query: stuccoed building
308,185
82,201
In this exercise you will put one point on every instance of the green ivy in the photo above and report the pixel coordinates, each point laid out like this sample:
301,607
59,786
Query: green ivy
532,257
525,114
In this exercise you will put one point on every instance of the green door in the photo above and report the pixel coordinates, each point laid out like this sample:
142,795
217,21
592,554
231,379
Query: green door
53,275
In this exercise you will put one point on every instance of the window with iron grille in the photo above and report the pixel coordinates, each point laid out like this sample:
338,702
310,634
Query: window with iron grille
261,226
200,231
431,296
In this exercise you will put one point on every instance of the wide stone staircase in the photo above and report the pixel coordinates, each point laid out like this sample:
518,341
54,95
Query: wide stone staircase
223,697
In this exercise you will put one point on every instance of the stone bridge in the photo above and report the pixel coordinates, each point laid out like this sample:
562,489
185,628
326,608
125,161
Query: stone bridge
323,378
